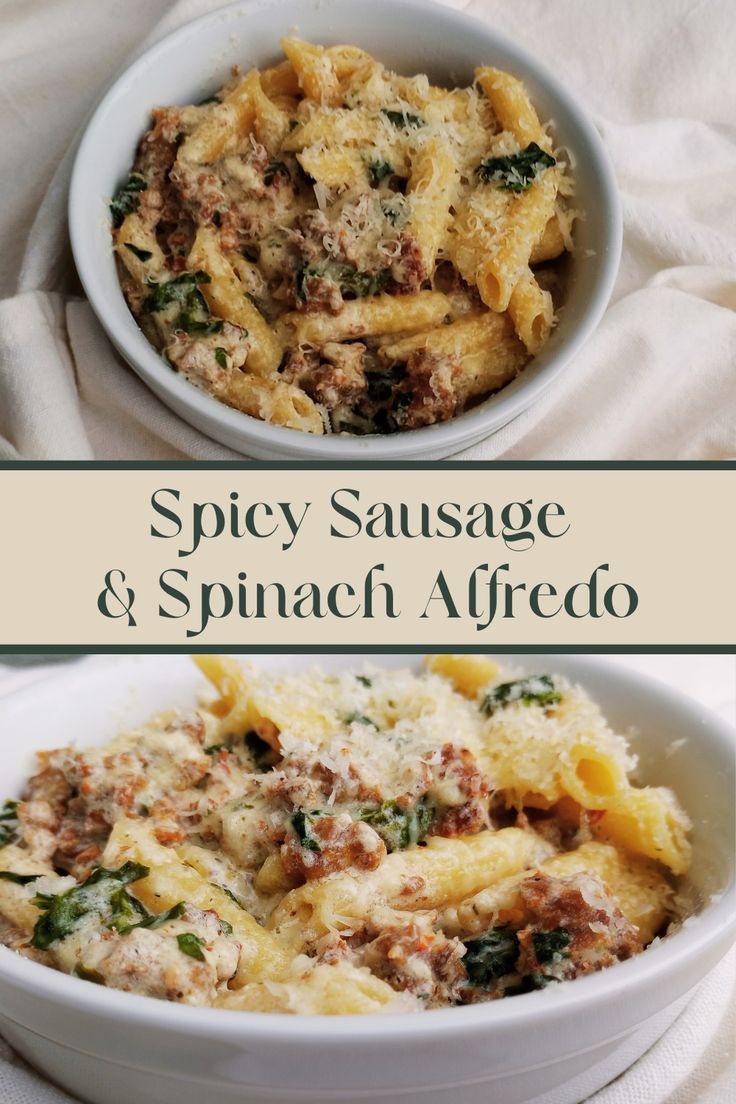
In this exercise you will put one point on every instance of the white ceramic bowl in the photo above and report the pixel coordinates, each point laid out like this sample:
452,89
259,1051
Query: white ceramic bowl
551,1047
411,36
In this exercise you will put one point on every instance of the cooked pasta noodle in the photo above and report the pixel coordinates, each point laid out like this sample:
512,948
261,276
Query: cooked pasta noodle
299,245
375,840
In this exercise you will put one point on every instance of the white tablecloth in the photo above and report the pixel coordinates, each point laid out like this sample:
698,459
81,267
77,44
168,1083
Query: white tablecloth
694,1063
656,382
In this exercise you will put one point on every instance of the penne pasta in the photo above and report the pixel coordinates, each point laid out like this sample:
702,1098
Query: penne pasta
384,314
445,870
353,842
171,881
315,213
532,312
227,299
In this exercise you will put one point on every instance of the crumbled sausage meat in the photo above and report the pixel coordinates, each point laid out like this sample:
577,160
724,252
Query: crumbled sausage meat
210,359
416,959
599,934
151,962
464,790
426,393
338,843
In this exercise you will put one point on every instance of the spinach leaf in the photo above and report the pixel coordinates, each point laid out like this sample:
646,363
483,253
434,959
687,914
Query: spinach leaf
19,879
300,280
214,748
364,681
183,291
351,281
228,892
363,284
359,718
141,254
303,826
534,690
225,926
103,894
190,944
273,169
397,826
192,324
381,384
395,210
221,356
404,119
378,170
126,199
8,821
178,291
152,921
549,946
518,171
491,955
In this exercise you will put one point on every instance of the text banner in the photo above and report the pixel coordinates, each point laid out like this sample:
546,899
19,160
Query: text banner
427,556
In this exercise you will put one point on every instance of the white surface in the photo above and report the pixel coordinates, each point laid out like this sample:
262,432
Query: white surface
691,1063
655,382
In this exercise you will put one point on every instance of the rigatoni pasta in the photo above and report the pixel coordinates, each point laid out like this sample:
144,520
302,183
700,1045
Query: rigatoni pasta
298,244
361,842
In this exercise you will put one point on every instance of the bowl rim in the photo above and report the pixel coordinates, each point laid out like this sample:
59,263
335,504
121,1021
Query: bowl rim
714,923
473,425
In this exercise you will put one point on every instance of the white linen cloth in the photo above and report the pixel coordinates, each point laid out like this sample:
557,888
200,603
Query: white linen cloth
694,1062
658,379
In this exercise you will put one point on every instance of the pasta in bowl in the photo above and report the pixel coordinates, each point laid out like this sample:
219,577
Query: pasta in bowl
371,841
585,1030
332,247
465,397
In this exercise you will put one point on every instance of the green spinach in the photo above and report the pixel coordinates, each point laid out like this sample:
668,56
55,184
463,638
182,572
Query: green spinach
404,119
350,281
378,170
142,254
183,292
127,198
303,824
491,955
152,921
549,946
359,718
19,879
8,821
534,690
397,826
190,944
103,894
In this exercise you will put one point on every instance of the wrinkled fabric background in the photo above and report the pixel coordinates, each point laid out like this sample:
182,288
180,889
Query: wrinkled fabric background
657,381
695,1061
